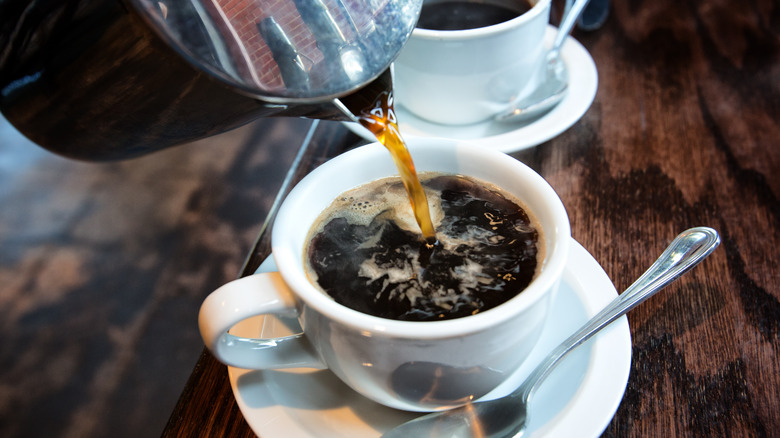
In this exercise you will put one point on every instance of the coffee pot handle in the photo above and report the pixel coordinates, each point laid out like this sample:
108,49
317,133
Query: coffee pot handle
234,302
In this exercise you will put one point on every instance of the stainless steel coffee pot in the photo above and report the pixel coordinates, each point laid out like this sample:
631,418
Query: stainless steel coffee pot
112,79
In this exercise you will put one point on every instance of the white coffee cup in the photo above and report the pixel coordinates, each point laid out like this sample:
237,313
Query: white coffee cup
460,77
389,360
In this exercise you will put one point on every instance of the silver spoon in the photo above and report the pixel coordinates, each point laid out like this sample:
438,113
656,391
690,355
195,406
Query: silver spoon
555,84
507,416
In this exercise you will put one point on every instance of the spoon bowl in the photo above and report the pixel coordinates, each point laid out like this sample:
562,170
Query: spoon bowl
555,77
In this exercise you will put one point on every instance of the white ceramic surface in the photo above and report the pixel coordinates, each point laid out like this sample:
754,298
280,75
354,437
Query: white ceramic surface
578,399
507,137
467,76
388,360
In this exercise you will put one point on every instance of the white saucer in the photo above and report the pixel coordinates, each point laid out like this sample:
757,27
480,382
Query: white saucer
578,399
506,137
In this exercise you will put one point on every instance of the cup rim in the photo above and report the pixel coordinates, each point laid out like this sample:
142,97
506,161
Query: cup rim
289,259
464,34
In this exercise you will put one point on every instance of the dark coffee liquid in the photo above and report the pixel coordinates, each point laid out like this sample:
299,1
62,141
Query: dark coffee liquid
460,15
366,254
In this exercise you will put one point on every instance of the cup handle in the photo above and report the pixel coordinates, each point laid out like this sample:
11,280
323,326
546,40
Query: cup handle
258,294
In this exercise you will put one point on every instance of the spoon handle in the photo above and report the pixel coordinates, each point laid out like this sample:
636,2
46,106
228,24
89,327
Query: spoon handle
567,23
685,252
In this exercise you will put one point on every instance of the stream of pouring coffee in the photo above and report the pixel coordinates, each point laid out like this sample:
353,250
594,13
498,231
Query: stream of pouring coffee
379,118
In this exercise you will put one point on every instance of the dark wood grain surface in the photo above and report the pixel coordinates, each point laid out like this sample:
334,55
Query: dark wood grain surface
100,265
683,132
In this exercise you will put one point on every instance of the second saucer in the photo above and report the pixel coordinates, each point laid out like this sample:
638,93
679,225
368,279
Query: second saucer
515,137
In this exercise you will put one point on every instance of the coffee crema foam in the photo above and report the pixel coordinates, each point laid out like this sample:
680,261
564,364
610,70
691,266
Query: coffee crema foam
366,252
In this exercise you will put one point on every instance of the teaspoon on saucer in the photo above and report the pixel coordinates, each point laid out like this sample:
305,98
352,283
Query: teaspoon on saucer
555,81
507,416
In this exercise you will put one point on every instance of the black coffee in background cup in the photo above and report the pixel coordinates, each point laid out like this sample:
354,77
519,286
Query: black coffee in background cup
366,252
465,14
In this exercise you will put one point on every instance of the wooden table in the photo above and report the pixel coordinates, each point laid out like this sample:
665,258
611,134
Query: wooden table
683,132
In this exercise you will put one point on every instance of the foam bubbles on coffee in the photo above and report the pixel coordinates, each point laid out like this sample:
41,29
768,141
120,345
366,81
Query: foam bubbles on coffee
367,253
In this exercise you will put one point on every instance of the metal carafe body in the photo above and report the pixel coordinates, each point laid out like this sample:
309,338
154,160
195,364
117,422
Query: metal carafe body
113,79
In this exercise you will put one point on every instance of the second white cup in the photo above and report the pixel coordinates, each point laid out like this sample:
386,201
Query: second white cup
460,77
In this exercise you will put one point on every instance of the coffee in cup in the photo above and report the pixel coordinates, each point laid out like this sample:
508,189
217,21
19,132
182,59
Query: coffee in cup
365,250
465,14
